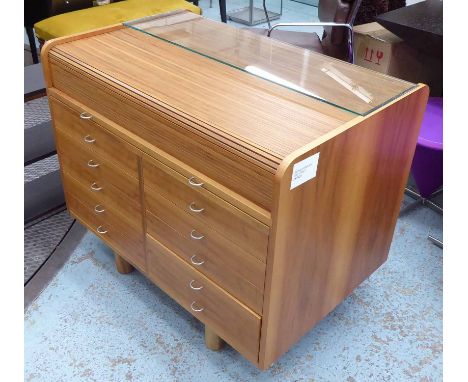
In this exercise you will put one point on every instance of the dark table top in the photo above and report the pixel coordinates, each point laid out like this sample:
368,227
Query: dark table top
420,25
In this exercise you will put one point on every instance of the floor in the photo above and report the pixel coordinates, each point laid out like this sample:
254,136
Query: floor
93,324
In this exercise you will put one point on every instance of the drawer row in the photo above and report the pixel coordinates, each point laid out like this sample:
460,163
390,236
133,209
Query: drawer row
100,178
204,252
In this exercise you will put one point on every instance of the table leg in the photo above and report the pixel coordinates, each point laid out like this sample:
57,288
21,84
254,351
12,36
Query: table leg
212,340
122,265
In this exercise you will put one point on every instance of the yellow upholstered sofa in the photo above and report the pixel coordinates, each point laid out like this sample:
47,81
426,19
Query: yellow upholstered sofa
87,19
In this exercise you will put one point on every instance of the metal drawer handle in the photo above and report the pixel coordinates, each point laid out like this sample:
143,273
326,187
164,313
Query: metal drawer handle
101,230
194,262
99,209
96,187
192,306
194,287
193,208
193,182
85,115
89,139
193,236
92,163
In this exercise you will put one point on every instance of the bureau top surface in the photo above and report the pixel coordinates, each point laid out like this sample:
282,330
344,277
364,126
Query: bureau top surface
173,66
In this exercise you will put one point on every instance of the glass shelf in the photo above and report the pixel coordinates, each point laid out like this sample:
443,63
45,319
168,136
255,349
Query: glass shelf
349,87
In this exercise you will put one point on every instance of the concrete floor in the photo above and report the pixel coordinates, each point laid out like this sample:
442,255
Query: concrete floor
93,324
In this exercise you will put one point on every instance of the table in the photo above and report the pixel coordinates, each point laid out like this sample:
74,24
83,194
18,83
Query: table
255,182
420,25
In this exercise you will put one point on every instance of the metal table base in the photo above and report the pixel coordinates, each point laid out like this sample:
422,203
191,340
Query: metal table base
252,15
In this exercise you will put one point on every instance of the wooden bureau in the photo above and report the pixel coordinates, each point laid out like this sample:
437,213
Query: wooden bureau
254,182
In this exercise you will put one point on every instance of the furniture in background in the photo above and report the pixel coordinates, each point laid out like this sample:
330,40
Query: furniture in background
336,18
421,26
252,15
427,167
83,20
37,10
370,9
257,190
314,3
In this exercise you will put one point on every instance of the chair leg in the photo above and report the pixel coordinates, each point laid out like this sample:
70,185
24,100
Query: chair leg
122,265
212,340
32,44
222,10
436,241
420,201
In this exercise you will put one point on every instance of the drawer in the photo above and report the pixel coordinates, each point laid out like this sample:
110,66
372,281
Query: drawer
92,137
186,143
190,195
237,274
107,206
230,319
89,168
209,241
118,233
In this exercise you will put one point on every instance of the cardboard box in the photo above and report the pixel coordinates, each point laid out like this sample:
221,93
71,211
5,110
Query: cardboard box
378,49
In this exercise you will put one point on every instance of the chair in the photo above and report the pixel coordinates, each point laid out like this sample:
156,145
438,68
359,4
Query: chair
427,166
337,19
105,15
427,163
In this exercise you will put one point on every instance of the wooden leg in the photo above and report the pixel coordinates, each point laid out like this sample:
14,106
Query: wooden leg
212,340
122,265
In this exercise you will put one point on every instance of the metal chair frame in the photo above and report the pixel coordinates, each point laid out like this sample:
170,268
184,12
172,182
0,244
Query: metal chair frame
348,26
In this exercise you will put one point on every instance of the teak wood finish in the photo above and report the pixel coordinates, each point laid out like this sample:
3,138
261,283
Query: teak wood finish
273,260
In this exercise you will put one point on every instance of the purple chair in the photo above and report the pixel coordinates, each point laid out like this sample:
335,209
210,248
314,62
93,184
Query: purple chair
427,167
427,163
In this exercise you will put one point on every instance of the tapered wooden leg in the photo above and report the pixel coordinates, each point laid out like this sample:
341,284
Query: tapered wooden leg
122,265
212,340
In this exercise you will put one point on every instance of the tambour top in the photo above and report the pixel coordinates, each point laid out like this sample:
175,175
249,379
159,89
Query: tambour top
266,96
315,75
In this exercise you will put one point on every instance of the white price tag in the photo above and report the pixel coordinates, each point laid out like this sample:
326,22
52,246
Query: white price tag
304,170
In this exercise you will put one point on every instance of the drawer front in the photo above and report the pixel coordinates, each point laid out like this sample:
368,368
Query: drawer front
93,138
190,196
119,234
108,206
89,168
200,239
173,137
231,320
230,272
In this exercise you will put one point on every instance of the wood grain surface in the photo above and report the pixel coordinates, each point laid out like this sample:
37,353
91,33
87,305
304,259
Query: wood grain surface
227,317
277,259
153,153
241,275
223,100
332,232
235,225
235,169
94,139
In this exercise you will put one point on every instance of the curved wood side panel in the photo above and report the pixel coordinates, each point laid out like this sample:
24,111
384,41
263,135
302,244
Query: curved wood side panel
330,233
